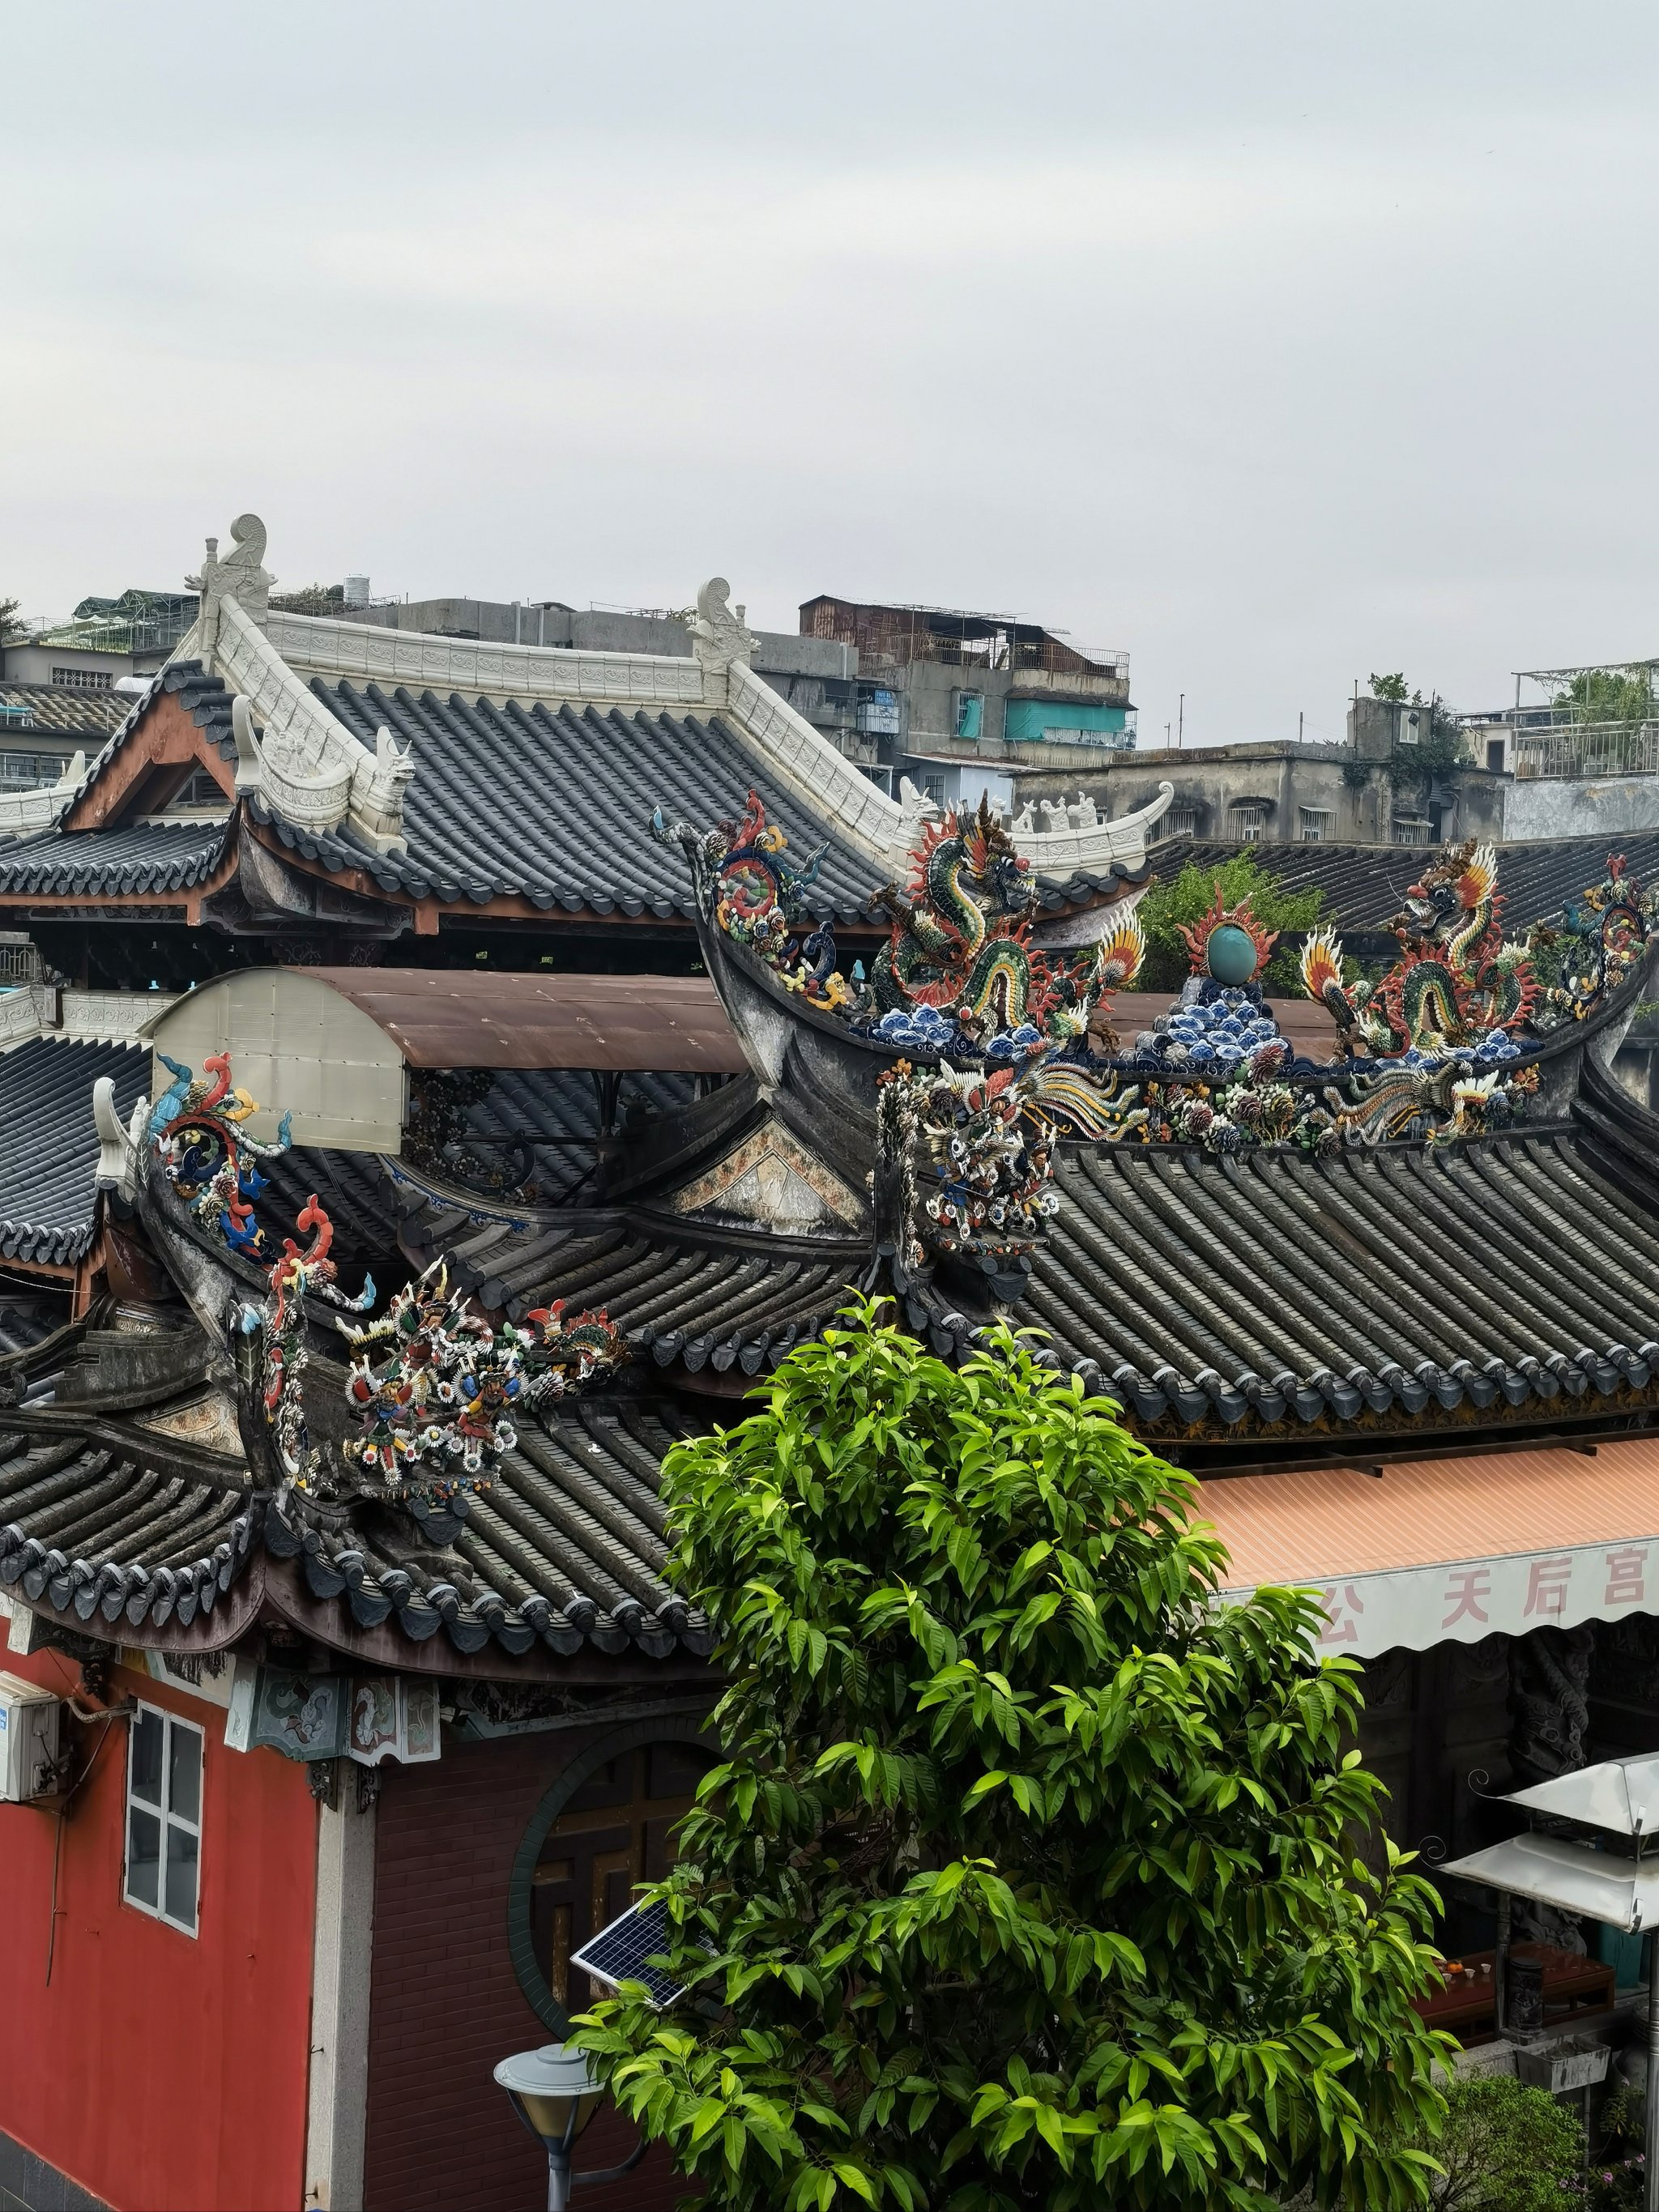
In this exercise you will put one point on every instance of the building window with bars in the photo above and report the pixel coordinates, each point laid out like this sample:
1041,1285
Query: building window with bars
1313,824
83,679
164,1818
1250,820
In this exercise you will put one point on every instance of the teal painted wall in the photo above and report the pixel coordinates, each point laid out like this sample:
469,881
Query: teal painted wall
1027,719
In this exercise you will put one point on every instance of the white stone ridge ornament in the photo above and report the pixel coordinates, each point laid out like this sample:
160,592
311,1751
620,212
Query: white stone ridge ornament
241,576
721,639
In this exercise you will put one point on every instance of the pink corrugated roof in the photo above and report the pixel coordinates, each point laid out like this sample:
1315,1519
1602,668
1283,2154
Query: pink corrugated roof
1339,1521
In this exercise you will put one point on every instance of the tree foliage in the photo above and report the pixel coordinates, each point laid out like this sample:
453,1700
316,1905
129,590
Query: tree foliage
1506,2148
1189,897
1609,695
9,625
1389,687
1028,1878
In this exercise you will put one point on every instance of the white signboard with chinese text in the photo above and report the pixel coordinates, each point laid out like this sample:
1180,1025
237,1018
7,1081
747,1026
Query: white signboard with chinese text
1463,1600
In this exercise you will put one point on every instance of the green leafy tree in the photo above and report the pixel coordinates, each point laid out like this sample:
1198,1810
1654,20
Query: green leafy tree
1609,695
1389,687
9,625
1030,1878
1168,906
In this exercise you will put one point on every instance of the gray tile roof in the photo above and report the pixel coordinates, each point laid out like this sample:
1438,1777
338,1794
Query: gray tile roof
1363,885
1275,1289
103,1532
730,1302
49,1151
564,1549
554,804
550,803
136,862
86,718
106,1519
561,1104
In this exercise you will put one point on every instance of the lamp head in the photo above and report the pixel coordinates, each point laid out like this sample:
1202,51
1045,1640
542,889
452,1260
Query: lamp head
553,2090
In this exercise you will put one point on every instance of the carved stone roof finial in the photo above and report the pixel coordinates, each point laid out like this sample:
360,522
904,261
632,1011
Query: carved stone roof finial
240,576
719,638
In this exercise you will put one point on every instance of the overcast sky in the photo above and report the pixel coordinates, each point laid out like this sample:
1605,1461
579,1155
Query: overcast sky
1274,344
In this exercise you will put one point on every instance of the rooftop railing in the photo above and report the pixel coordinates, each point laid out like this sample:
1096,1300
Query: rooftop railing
1572,750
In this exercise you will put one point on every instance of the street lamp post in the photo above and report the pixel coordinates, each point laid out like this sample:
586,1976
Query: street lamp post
554,2092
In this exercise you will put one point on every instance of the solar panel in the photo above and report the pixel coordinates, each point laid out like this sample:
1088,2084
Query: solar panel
618,1954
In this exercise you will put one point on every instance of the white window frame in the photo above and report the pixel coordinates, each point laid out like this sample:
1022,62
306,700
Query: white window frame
1247,819
1311,822
164,1814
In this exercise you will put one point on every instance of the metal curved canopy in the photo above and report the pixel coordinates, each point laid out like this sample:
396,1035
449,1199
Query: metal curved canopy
449,1018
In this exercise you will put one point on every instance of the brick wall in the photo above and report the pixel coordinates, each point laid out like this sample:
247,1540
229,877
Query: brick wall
445,2003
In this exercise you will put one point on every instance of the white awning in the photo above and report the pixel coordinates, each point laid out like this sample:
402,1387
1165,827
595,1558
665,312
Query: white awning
1570,1875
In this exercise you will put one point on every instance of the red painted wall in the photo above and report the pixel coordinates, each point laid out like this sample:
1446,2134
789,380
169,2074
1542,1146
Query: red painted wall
445,2004
164,2072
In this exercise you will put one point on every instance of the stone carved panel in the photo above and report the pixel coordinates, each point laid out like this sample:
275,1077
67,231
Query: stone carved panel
772,1181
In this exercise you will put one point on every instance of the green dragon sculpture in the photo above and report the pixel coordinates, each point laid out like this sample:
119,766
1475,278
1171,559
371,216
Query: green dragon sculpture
1456,980
961,941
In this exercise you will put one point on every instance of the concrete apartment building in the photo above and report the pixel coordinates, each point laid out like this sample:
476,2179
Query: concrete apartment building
959,702
1369,791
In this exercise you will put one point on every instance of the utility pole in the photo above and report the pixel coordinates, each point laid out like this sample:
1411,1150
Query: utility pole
1298,725
1181,725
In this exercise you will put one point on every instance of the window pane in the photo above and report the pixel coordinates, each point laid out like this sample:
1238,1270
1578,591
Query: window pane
185,1772
181,1876
143,1856
147,1732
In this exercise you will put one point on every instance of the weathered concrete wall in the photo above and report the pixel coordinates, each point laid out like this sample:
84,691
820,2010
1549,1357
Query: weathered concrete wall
1212,783
1554,807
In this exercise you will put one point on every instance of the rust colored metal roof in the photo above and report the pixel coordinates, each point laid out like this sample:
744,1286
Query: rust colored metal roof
1315,1527
448,1017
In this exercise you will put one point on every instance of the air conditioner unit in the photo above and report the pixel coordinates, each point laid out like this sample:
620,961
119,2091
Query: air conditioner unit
31,1733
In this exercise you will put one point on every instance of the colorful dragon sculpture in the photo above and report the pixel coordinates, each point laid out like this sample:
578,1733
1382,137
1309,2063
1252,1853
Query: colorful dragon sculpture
961,941
958,972
759,899
990,1153
295,1276
196,1127
1457,982
1601,942
436,1416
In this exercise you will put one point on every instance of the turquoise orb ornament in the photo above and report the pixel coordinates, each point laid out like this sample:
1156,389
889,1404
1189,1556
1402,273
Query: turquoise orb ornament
1230,954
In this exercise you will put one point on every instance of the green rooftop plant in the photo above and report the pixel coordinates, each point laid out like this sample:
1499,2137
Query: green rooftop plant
1029,1877
9,625
1609,695
1169,906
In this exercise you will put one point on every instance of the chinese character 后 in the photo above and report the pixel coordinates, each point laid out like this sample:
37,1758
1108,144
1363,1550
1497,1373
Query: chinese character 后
1626,1574
1547,1586
1471,1587
1336,1629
